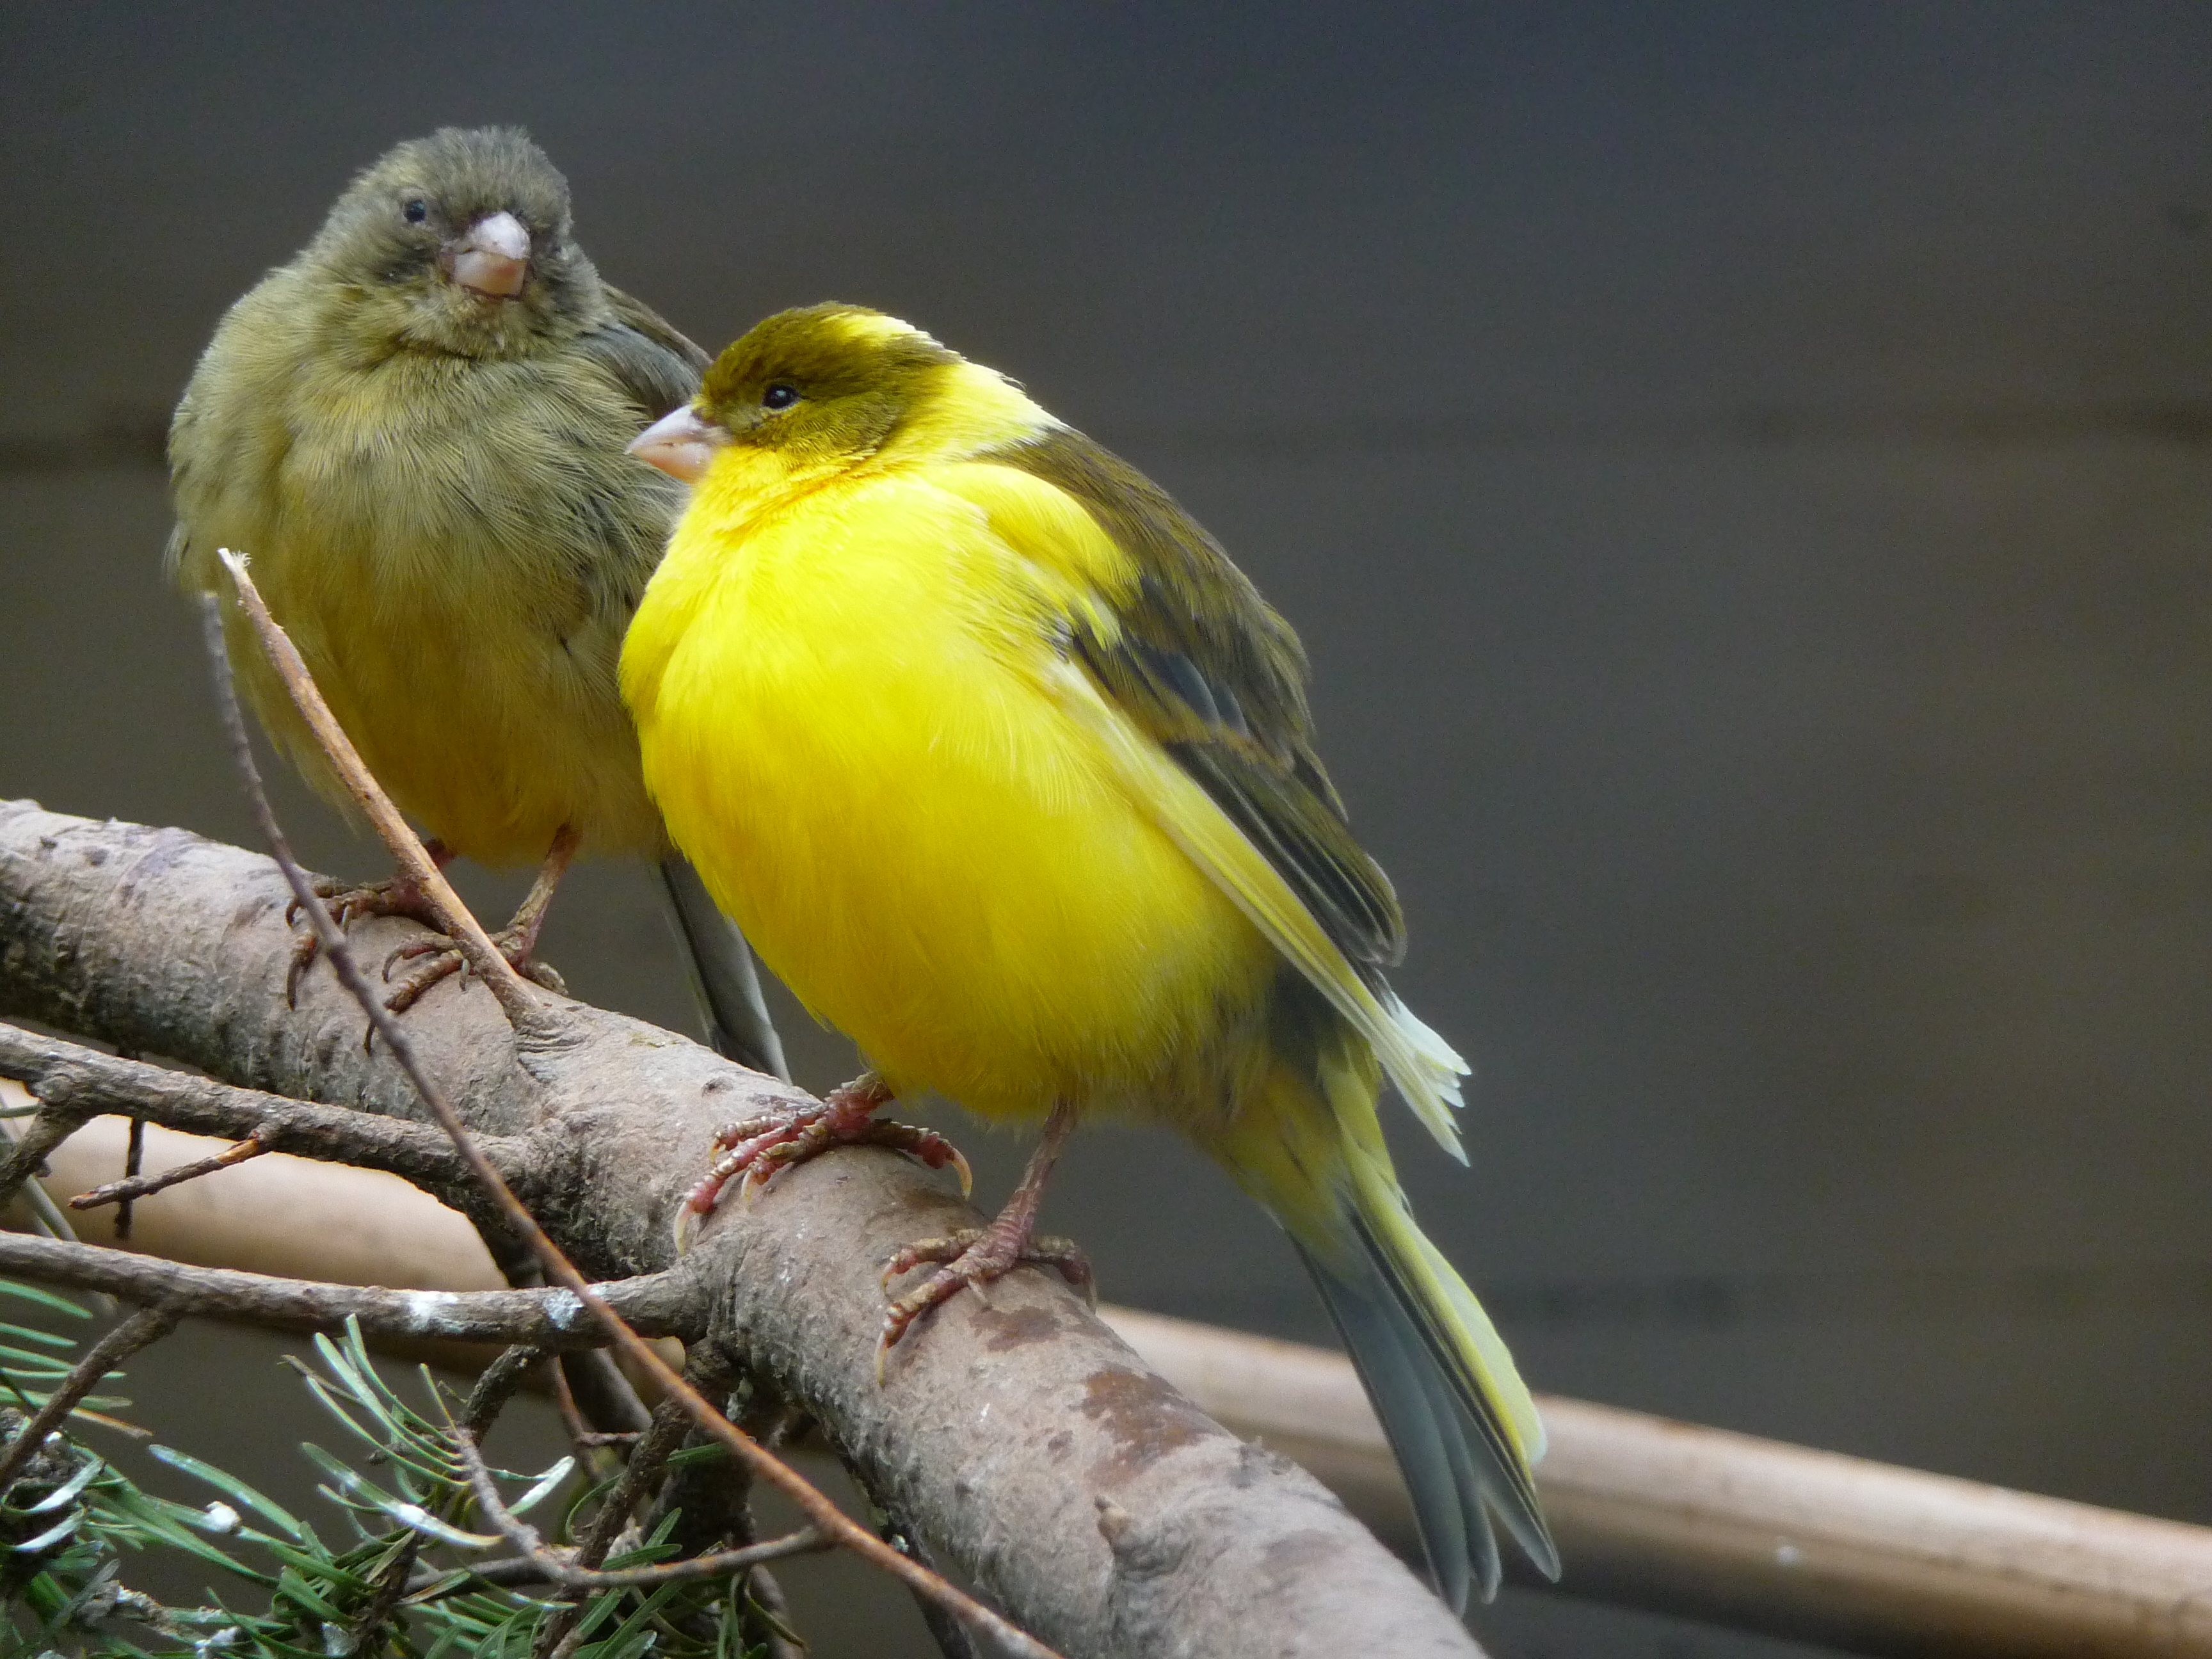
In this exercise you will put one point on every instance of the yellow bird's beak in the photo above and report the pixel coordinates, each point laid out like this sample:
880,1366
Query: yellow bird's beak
680,443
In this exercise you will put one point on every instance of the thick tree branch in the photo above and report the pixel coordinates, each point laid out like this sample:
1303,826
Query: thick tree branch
995,1435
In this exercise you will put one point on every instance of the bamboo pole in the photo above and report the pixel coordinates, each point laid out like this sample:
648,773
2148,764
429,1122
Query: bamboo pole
1649,1512
1748,1532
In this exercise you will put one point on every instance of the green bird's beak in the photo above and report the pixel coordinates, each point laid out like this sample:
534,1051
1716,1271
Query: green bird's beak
492,260
681,443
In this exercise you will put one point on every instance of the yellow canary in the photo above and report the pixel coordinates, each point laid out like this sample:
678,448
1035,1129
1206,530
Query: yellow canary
1007,771
413,431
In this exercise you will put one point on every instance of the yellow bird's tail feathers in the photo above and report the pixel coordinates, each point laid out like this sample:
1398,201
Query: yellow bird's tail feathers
1458,1417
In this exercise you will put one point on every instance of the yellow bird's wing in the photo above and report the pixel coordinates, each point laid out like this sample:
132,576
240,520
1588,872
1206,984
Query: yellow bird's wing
1196,689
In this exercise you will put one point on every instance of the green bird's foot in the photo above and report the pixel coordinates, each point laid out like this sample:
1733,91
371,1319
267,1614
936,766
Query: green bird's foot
754,1149
973,1257
400,895
440,959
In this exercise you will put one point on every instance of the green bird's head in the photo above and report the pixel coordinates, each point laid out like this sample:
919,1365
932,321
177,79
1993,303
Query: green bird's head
458,243
829,386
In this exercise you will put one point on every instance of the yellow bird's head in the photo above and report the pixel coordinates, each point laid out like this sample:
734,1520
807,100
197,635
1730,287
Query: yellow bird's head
827,386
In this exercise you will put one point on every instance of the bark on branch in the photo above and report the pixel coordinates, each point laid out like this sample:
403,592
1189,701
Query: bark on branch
1027,1443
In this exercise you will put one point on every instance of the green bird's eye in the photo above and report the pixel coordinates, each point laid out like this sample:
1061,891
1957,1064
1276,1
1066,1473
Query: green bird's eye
415,211
781,395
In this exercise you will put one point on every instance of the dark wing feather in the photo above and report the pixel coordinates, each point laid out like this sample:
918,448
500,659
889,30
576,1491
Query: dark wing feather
1218,678
660,368
656,365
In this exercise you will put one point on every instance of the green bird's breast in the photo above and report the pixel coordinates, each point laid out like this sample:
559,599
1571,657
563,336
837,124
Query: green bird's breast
456,546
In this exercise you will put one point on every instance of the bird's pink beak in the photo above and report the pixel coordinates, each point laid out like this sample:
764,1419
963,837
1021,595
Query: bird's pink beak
494,258
681,443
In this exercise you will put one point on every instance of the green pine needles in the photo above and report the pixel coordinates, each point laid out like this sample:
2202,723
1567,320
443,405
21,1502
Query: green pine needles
416,1570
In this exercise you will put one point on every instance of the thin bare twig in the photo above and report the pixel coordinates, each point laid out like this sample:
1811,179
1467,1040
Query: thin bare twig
371,1628
76,1085
807,1541
134,1160
495,1388
134,1185
657,1303
670,1425
46,1217
430,1584
48,1126
603,1396
834,1526
497,1384
516,995
564,1404
148,1325
711,1503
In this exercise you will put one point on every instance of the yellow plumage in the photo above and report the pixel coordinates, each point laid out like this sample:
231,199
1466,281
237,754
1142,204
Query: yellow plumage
786,725
874,681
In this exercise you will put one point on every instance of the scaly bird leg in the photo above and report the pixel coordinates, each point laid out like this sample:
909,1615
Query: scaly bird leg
755,1148
398,896
976,1255
440,959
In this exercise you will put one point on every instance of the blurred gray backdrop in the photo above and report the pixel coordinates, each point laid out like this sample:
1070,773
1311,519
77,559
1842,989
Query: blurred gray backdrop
1744,475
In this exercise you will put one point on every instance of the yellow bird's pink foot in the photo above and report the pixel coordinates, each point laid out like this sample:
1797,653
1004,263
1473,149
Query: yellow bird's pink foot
972,1258
399,896
755,1148
976,1255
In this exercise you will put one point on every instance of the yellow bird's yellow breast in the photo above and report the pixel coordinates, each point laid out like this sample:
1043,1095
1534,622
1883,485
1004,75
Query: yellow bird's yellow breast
846,713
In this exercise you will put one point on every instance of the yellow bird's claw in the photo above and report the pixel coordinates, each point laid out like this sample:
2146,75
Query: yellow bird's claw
687,1226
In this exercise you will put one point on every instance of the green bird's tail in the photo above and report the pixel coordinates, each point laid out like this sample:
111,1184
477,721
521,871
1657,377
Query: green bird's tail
723,976
1458,1418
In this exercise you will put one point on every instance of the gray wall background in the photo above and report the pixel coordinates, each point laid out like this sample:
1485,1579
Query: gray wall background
1741,471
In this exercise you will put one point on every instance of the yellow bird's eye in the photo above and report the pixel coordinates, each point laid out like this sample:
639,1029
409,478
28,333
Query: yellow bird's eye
780,396
415,211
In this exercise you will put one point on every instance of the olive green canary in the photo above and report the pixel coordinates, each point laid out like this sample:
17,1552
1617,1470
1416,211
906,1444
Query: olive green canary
414,432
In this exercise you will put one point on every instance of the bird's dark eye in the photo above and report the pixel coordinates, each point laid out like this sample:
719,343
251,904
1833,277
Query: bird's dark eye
781,395
415,211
